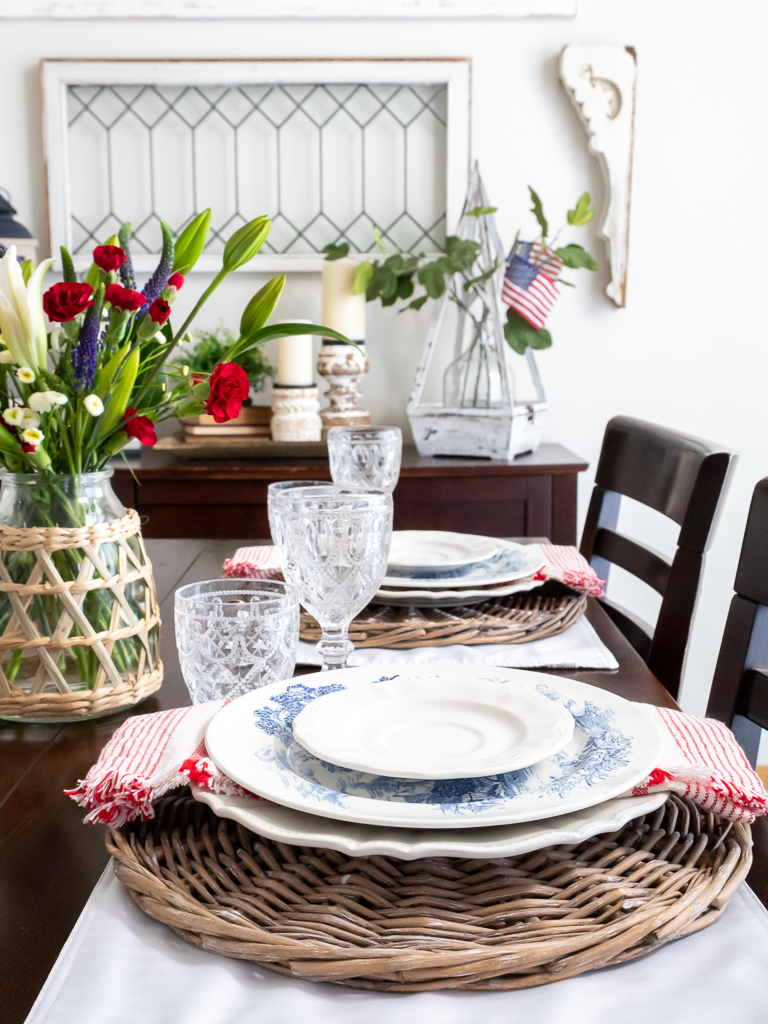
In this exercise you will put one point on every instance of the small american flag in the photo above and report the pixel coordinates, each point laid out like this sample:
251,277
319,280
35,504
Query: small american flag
529,281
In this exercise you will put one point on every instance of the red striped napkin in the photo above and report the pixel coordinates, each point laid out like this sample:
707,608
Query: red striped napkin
562,563
152,754
259,562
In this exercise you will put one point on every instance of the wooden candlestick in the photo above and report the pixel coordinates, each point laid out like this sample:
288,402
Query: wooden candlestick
342,365
295,414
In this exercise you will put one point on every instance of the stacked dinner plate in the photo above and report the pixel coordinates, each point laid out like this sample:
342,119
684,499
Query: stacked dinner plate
438,569
437,760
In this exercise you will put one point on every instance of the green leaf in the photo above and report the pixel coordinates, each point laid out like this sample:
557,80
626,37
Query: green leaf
481,211
538,211
521,335
582,213
336,252
27,270
383,284
482,278
280,331
190,243
432,276
460,253
378,240
405,286
363,275
416,304
574,256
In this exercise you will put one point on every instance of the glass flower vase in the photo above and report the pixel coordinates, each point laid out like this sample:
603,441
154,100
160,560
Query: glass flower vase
474,379
79,620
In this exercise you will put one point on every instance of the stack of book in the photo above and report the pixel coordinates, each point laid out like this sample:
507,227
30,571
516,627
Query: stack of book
253,423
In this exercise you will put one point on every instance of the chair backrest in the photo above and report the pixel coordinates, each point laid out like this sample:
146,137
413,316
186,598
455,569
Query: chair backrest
739,694
682,477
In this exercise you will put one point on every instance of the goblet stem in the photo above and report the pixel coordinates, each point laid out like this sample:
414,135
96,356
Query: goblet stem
334,648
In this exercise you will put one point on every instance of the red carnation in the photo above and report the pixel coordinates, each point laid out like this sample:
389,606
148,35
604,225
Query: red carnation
176,281
108,257
159,311
229,389
66,300
141,427
125,299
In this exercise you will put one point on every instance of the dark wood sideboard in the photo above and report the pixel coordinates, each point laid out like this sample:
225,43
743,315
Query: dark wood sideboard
531,496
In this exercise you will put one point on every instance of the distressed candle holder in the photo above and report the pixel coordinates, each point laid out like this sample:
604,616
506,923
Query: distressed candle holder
342,366
295,413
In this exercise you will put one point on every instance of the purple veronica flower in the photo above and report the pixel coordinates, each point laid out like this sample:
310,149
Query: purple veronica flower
153,289
85,352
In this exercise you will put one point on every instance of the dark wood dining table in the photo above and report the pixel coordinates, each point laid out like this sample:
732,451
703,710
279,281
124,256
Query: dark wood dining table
50,862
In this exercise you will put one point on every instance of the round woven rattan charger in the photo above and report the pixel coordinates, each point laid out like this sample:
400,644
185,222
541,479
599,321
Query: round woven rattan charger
517,619
408,926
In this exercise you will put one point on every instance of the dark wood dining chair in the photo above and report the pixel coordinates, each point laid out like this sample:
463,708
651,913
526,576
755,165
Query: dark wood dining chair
739,694
685,479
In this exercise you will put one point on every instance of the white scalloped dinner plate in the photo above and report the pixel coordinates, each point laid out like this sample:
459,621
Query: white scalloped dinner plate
433,728
449,598
438,549
510,562
285,825
615,745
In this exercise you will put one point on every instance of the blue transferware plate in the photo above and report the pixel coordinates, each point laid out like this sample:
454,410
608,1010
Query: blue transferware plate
511,562
615,746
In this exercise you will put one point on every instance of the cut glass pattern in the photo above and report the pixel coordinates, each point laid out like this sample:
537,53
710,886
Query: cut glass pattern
327,162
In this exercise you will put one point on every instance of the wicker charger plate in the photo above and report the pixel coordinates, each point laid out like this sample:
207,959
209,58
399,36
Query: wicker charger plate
384,924
516,619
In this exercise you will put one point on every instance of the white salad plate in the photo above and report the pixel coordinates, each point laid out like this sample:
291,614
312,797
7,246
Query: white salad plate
510,562
449,598
285,825
431,549
411,728
615,745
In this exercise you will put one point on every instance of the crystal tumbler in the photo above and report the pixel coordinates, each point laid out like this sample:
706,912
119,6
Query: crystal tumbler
367,457
334,546
235,635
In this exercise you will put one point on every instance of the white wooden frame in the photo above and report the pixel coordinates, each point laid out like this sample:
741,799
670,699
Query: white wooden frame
57,75
352,9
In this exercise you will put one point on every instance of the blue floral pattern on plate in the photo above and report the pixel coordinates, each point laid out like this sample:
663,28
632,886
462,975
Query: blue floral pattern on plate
614,746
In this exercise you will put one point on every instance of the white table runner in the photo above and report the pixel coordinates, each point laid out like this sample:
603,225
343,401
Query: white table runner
577,647
119,966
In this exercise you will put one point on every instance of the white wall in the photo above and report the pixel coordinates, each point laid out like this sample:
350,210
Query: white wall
689,351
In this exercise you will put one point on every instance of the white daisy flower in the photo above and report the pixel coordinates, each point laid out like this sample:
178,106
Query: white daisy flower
29,418
94,405
44,401
33,436
13,415
25,375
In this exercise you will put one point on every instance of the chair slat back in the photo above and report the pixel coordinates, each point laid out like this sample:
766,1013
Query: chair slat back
739,694
685,479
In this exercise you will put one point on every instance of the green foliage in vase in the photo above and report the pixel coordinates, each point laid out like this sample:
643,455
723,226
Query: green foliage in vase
459,271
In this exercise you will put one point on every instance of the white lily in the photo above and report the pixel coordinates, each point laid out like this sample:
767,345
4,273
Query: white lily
22,322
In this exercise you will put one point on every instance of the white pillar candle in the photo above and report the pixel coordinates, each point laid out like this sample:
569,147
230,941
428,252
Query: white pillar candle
342,311
295,364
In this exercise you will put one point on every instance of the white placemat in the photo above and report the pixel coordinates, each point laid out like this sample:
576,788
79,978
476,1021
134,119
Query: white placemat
120,966
577,647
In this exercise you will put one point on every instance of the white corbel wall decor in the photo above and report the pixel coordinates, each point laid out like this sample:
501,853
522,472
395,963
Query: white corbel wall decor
600,79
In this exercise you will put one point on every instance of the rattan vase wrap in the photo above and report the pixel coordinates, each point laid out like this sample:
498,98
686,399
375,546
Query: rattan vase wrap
440,922
50,686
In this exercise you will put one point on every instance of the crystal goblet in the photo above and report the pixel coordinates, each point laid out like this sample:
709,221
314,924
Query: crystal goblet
277,488
334,545
367,457
235,635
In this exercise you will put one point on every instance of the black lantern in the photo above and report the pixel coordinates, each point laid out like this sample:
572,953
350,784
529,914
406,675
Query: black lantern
13,233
